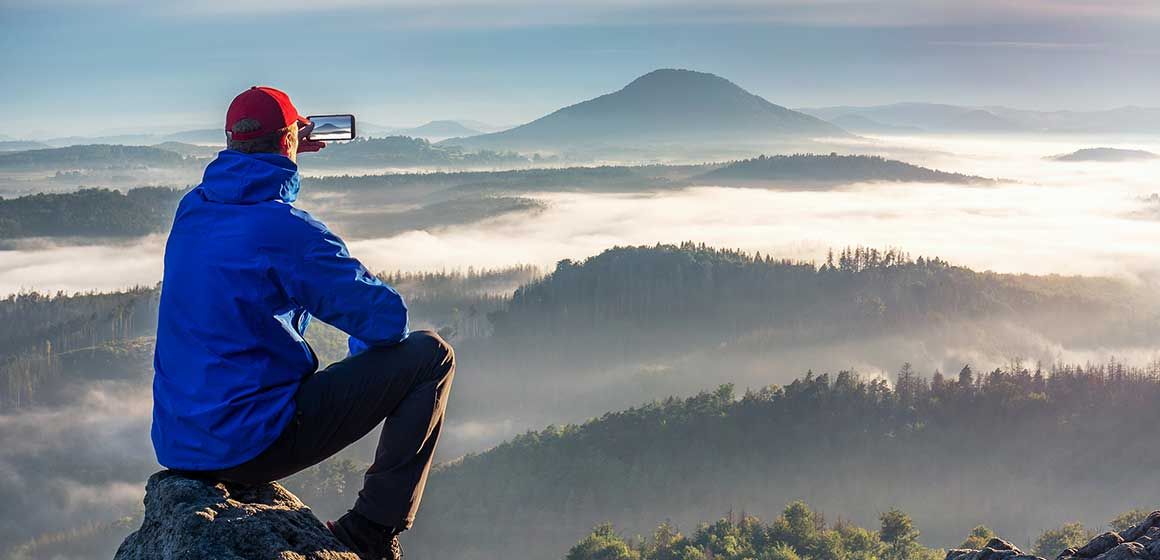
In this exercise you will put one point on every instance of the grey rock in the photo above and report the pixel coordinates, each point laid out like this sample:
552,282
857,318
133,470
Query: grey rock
1126,551
995,549
1153,548
1000,544
188,518
1142,528
1099,545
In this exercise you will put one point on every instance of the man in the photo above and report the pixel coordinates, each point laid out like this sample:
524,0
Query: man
236,394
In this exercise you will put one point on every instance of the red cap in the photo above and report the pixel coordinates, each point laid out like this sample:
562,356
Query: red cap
270,107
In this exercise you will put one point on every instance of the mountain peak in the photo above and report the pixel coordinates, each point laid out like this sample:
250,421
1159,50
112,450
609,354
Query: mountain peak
666,105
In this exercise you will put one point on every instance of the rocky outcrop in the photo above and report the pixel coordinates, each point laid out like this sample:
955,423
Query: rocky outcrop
189,518
1141,542
995,549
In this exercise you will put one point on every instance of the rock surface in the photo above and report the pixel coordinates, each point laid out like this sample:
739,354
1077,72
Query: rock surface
1140,542
188,518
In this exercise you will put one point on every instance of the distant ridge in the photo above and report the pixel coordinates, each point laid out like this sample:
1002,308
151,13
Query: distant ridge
829,169
438,130
1106,155
667,105
936,117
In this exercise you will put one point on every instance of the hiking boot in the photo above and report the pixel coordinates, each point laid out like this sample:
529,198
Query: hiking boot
366,538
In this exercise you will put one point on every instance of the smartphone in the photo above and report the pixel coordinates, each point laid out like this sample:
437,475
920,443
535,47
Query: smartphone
331,128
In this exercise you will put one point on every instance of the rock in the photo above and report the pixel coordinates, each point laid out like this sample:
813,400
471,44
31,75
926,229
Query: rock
1000,544
189,518
1099,545
995,549
1140,542
1126,551
1152,522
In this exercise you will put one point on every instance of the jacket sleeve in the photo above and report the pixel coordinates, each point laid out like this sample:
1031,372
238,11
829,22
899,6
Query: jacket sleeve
337,288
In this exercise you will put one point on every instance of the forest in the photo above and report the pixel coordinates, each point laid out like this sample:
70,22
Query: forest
404,151
52,344
94,212
834,168
1010,447
637,323
800,533
95,156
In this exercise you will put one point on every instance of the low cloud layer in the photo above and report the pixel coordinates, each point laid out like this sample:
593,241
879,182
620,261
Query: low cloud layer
1048,217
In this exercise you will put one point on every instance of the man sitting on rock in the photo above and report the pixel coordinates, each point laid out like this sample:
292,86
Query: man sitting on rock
236,393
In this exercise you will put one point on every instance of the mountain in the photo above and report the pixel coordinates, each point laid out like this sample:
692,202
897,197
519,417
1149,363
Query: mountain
663,106
326,128
936,117
438,130
1106,155
861,124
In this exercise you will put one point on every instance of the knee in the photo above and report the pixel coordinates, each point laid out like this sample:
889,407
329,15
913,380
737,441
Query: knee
431,343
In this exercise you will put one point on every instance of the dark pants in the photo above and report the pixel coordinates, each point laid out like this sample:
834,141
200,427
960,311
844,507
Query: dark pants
407,385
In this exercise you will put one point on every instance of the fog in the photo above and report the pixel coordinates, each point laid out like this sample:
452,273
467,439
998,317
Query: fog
1044,217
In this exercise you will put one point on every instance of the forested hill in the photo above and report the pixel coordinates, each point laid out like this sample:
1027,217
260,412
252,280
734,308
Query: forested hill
95,156
89,212
829,169
954,451
404,151
39,331
664,287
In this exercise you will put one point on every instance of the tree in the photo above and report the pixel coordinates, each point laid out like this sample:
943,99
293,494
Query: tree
899,534
978,537
897,527
780,551
603,544
1128,519
1054,541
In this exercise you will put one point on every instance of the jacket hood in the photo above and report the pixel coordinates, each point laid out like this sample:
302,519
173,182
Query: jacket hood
238,178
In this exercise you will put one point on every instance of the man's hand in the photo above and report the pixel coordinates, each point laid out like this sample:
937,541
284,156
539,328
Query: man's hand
310,146
304,142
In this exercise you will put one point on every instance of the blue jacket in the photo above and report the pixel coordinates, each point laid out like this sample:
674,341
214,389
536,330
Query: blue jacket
244,272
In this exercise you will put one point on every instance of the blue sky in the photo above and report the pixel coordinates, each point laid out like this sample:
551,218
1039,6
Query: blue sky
101,66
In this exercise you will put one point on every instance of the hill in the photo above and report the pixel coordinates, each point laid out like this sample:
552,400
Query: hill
89,213
944,449
208,136
936,117
403,151
1106,155
809,168
438,130
666,106
95,156
190,150
21,145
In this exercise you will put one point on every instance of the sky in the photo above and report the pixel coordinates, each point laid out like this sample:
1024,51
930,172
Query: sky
85,67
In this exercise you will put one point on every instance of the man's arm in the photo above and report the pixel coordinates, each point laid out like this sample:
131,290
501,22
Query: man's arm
338,289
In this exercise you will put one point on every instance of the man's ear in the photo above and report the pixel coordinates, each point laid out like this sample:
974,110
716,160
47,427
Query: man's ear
287,141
